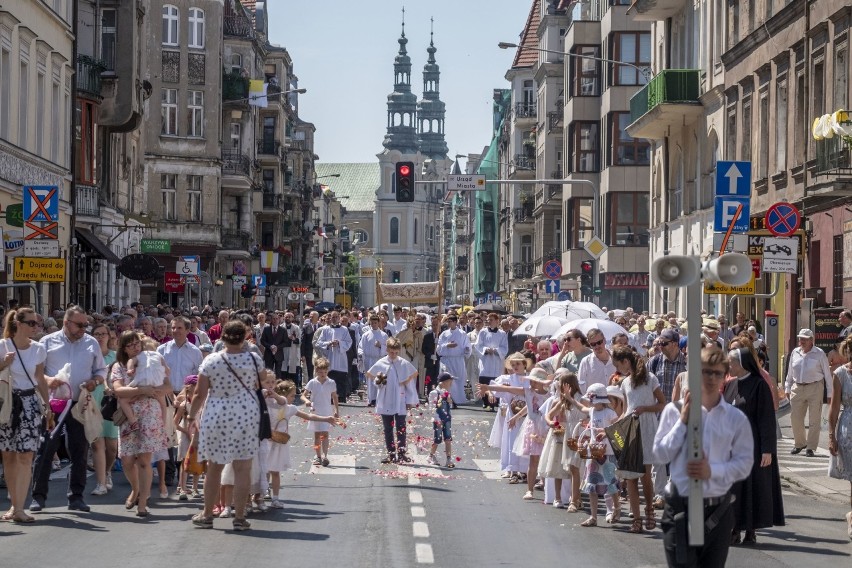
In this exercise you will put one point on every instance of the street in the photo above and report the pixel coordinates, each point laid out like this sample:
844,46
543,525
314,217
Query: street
363,514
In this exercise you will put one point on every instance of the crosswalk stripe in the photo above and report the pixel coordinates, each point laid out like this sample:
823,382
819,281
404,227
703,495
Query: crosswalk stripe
342,464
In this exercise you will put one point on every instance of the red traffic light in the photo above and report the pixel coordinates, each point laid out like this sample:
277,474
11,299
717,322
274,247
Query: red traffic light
404,170
586,266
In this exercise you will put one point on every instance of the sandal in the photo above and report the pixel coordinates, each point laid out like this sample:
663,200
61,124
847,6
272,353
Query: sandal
9,514
635,527
515,479
241,525
129,504
590,522
202,522
849,522
650,520
22,518
573,507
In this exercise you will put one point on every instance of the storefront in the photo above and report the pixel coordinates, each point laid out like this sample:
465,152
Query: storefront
620,290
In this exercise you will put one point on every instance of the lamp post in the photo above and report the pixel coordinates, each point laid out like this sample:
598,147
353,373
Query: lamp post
646,73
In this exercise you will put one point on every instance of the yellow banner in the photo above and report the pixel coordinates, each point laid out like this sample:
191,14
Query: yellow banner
39,269
719,288
410,294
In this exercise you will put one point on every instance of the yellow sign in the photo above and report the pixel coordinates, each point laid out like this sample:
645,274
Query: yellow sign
39,269
719,288
368,272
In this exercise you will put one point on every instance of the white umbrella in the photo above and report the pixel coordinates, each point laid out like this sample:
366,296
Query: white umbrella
541,326
609,328
570,310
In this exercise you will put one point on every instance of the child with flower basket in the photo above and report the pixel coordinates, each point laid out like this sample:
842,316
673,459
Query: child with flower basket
593,446
563,413
440,400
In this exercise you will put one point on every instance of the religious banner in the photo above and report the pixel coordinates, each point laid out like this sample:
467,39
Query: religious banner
409,294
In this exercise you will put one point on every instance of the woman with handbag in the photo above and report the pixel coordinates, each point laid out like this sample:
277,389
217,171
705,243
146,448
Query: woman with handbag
136,446
22,367
229,431
105,448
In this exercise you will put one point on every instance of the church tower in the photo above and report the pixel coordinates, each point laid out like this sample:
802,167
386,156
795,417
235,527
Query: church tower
402,105
431,110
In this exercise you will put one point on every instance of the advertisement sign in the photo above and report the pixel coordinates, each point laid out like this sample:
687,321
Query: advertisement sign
826,327
155,246
172,282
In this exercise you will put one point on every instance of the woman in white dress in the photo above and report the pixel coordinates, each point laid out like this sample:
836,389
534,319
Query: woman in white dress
229,429
645,400
840,424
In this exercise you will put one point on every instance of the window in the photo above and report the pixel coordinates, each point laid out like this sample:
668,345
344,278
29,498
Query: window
168,184
763,141
196,28
236,130
733,23
361,236
799,148
585,73
108,33
193,193
267,234
582,227
528,94
431,237
837,273
84,141
841,76
5,92
269,180
745,154
415,230
781,125
40,110
23,99
731,130
584,147
817,89
56,121
170,25
526,251
626,150
394,230
557,231
236,63
169,112
629,217
630,47
195,114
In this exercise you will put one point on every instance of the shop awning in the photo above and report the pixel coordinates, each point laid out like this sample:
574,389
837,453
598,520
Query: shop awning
97,245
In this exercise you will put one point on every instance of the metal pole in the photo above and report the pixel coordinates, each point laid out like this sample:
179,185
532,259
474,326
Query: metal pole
693,431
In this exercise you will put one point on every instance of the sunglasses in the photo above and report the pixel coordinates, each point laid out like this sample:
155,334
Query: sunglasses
31,323
597,343
663,343
79,325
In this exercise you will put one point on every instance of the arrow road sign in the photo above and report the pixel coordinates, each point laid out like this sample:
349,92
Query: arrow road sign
552,286
733,178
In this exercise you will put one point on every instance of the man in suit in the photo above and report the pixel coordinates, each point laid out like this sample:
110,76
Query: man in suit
273,339
308,329
431,360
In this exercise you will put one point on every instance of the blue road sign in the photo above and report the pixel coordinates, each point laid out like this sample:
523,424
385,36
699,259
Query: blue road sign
41,203
553,269
259,280
552,286
733,178
563,296
726,207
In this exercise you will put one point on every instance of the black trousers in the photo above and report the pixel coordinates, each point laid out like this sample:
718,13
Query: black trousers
485,403
77,447
309,369
713,554
341,380
391,422
275,365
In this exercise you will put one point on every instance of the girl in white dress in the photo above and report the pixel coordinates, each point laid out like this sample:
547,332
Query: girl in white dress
281,410
557,460
320,395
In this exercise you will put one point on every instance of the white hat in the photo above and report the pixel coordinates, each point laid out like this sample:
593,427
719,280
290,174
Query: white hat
596,394
805,334
615,391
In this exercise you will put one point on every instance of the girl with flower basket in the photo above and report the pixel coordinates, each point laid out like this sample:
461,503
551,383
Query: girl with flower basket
593,446
558,460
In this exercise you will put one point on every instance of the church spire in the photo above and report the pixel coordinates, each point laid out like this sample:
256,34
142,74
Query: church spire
402,103
431,110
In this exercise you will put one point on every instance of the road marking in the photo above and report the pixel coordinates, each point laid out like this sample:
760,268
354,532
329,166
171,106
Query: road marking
343,464
420,529
811,469
418,512
413,479
489,468
415,497
423,552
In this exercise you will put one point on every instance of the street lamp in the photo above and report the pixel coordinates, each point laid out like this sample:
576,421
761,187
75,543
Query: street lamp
644,70
269,95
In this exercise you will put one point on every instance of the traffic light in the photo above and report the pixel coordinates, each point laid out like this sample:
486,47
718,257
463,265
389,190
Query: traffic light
587,267
405,182
248,290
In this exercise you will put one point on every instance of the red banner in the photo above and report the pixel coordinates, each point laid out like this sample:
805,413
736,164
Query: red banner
172,283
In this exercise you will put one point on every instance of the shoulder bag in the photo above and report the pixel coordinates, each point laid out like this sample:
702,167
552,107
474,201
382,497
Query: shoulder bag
265,428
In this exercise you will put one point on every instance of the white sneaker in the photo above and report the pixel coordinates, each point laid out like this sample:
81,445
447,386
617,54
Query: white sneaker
109,482
164,494
528,496
276,504
558,504
432,460
99,490
226,512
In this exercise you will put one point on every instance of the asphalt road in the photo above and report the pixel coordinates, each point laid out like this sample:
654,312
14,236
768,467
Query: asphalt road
358,512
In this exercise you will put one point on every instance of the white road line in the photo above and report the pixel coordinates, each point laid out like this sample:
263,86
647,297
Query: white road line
489,468
812,469
423,552
420,529
343,464
413,479
418,512
415,497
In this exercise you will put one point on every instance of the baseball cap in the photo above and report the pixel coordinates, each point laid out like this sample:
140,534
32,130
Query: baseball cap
670,335
805,334
444,377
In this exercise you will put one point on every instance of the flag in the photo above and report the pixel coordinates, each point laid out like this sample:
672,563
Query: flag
321,231
268,260
257,93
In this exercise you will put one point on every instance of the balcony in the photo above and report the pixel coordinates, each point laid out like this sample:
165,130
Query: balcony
525,110
655,10
271,201
235,239
522,162
584,11
523,214
237,26
669,100
235,163
523,270
235,89
89,76
832,157
269,147
88,201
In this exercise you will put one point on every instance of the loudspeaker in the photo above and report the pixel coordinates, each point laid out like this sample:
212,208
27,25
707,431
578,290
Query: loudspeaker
733,269
675,270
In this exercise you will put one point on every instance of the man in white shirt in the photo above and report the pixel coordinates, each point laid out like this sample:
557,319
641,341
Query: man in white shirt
728,458
371,348
597,367
492,345
398,322
640,338
453,347
808,378
334,341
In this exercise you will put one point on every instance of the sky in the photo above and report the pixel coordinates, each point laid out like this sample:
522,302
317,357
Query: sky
343,53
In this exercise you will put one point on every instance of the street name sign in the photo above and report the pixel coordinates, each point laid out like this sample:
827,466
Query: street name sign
465,182
39,269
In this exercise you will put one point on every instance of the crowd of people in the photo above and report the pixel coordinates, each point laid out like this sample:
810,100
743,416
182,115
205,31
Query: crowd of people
192,391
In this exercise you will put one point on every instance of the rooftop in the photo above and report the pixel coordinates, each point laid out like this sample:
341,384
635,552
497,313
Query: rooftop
358,182
529,39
